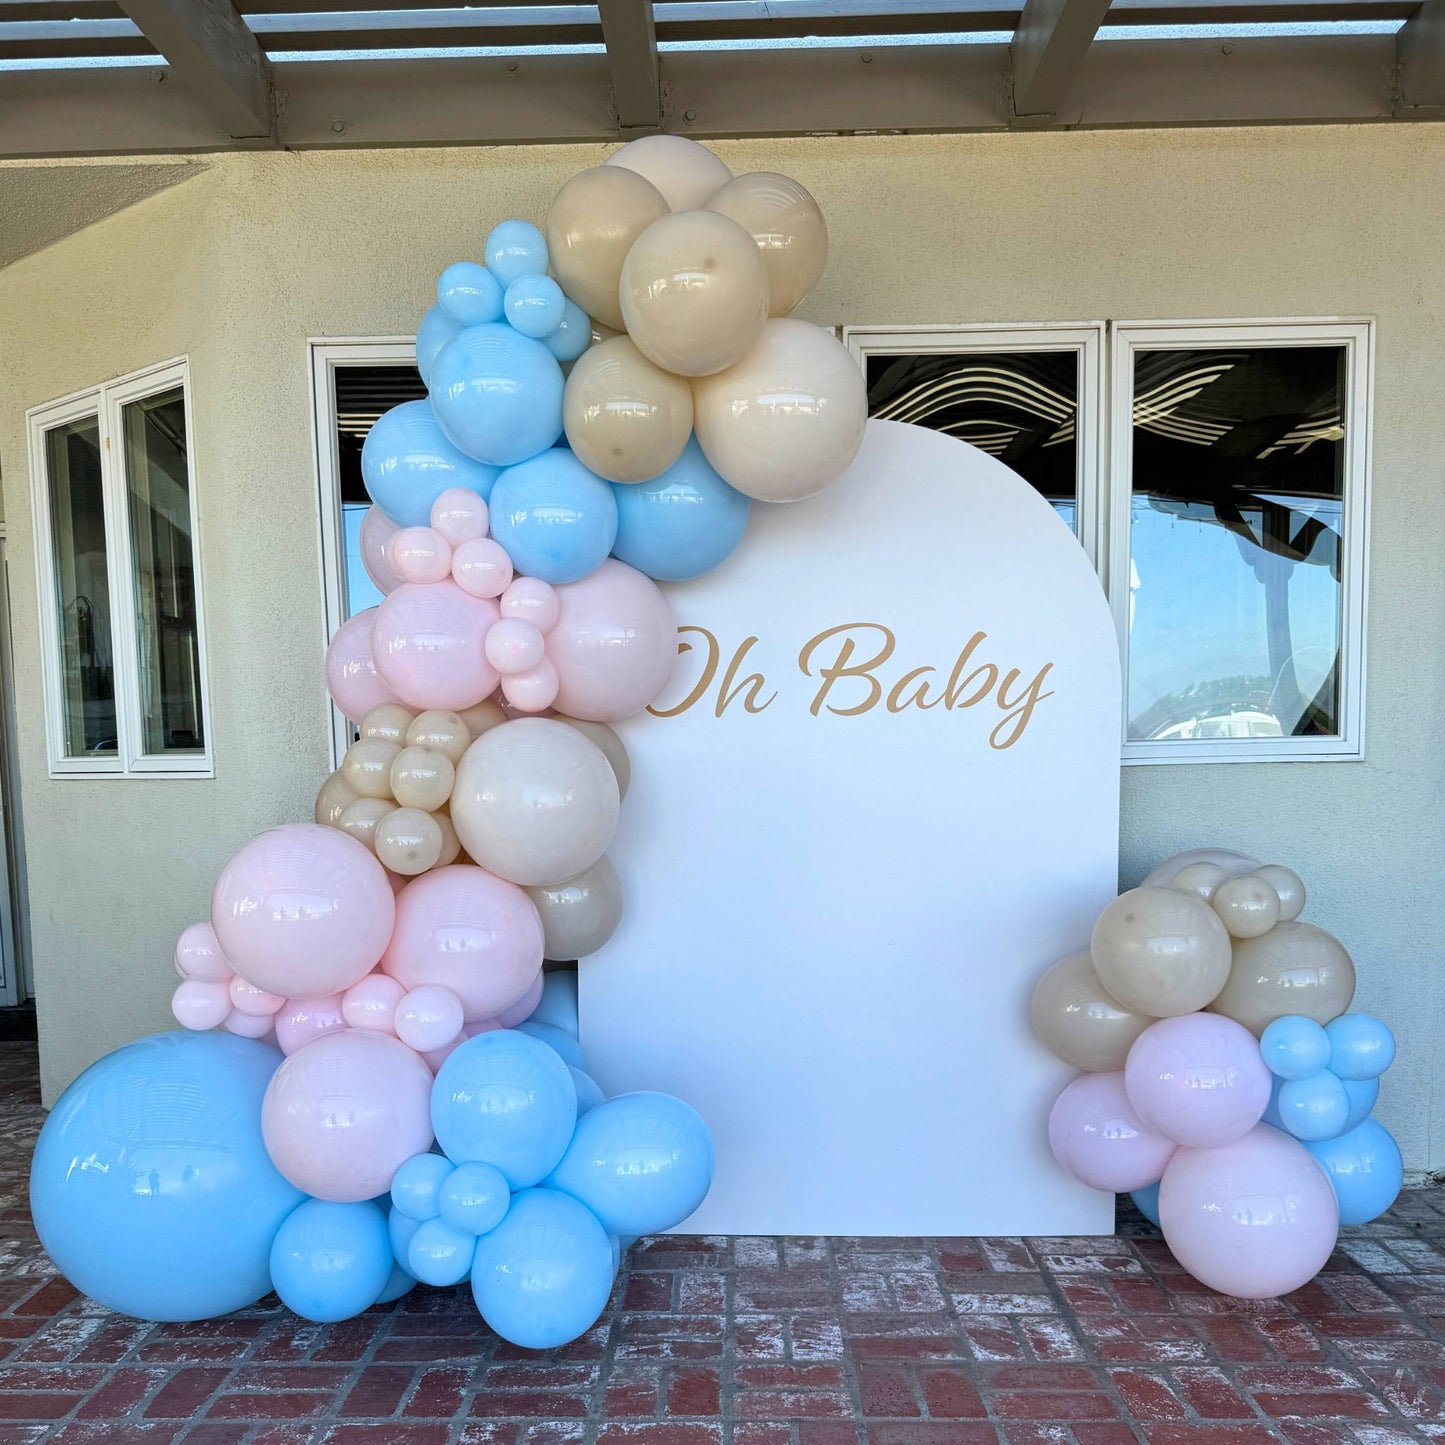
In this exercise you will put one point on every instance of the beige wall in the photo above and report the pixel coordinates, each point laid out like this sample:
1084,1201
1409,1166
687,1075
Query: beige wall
240,265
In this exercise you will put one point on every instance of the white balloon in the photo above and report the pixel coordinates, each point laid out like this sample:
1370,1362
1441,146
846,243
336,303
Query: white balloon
685,172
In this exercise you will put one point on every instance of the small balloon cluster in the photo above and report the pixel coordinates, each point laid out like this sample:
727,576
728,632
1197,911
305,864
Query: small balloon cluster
1225,1086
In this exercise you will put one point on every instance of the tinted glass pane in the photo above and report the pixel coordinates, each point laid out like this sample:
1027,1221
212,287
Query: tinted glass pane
1019,406
1236,543
82,586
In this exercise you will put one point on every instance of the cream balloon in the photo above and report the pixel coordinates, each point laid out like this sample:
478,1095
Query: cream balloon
694,293
1163,874
593,222
366,768
1288,885
610,744
1161,952
785,221
684,172
485,715
788,419
1295,968
580,915
333,798
1074,1017
388,722
1200,879
451,844
1247,906
442,729
626,419
408,841
359,819
422,777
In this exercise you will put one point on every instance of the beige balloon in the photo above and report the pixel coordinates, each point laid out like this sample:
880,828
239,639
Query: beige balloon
1295,968
1247,906
1201,879
580,915
442,729
535,801
593,222
694,293
1163,874
684,172
408,841
481,717
333,797
388,722
626,419
611,745
359,819
1074,1017
1288,885
788,419
366,768
1161,952
451,844
422,777
785,221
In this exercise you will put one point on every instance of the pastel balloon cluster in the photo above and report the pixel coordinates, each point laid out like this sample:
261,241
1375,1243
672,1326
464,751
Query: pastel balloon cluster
1211,1027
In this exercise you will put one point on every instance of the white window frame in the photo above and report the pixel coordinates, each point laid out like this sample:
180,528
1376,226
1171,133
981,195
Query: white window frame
105,402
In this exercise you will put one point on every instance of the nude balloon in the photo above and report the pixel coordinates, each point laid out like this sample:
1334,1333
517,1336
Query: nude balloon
1074,1017
1247,905
376,530
626,419
788,227
685,172
610,744
352,678
1288,886
1098,1137
430,645
1295,968
1161,952
580,915
1163,874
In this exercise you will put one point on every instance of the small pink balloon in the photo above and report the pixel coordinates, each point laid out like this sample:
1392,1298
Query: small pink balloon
304,1019
533,691
1096,1135
430,645
200,1005
524,1008
473,1027
1198,1079
534,601
351,676
429,1017
419,554
252,1000
435,1058
1256,1218
514,646
376,528
481,567
199,956
371,1003
247,1026
460,516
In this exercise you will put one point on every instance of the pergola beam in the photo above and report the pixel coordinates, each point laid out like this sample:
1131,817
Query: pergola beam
1421,52
1052,38
630,35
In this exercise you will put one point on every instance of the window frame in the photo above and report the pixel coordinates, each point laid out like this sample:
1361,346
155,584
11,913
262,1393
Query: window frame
106,403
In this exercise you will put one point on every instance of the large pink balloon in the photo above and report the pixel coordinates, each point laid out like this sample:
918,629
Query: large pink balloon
344,1111
430,645
1256,1218
467,930
376,531
1198,1079
351,676
303,911
1096,1135
613,644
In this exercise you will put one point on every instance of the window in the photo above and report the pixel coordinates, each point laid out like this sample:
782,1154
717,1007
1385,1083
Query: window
120,608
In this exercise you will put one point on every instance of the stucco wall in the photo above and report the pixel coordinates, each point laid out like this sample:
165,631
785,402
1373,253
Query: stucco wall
239,266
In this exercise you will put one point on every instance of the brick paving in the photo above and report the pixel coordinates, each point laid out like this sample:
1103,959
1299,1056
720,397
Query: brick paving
712,1341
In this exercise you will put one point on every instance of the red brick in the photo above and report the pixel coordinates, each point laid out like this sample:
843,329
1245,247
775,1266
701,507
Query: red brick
35,1407
919,1347
391,1433
819,1432
269,1406
1052,1405
693,1392
1233,1340
52,1297
791,1405
1104,1432
1209,1435
1210,1393
886,1394
438,1394
950,1394
1146,1397
378,1392
122,1391
655,1433
930,1432
648,1292
185,1393
790,1376
763,1432
1039,1377
629,1398
541,1376
213,1432
1324,1405
542,1404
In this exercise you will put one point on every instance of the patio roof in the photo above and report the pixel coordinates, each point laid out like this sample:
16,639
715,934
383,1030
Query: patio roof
92,77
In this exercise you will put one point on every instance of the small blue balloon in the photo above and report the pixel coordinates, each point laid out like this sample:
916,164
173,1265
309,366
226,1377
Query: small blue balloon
558,1005
497,394
400,1228
1146,1201
543,1276
681,524
516,248
1314,1108
1362,1095
559,1039
505,1099
331,1261
589,1092
535,306
440,1255
400,1283
474,1199
1271,1111
469,294
1361,1047
407,463
1366,1169
436,329
556,519
640,1162
416,1186
1294,1047
573,334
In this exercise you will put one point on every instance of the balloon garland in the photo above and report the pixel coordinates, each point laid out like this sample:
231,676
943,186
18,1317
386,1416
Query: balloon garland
377,1083
1225,1086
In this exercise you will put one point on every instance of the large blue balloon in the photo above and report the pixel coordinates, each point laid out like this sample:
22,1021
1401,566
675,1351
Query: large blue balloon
1366,1169
558,1005
1361,1047
151,1187
681,524
407,463
332,1261
1146,1201
1294,1047
505,1099
556,519
436,329
543,1275
640,1162
497,394
565,1044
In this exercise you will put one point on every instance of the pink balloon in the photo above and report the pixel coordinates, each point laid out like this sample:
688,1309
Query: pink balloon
376,528
304,1019
533,691
430,643
247,1026
1096,1135
1256,1218
371,1003
468,931
252,1000
419,554
613,645
435,1058
199,956
459,515
303,911
429,1018
1198,1079
534,601
351,676
514,645
524,1008
200,1005
481,567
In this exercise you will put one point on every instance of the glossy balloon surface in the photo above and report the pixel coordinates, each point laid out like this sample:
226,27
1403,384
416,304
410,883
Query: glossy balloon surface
408,460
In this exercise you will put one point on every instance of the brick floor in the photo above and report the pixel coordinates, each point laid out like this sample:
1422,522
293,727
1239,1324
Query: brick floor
712,1341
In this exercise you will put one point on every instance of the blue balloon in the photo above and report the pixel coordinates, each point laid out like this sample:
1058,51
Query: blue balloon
400,1229
558,1005
400,1283
1366,1169
469,294
1294,1047
440,1255
331,1261
1146,1201
497,394
559,1039
1361,1047
505,1099
573,334
589,1092
516,248
474,1200
681,524
535,306
556,519
151,1187
416,1186
640,1162
1314,1108
436,329
1362,1095
1271,1110
407,463
543,1275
